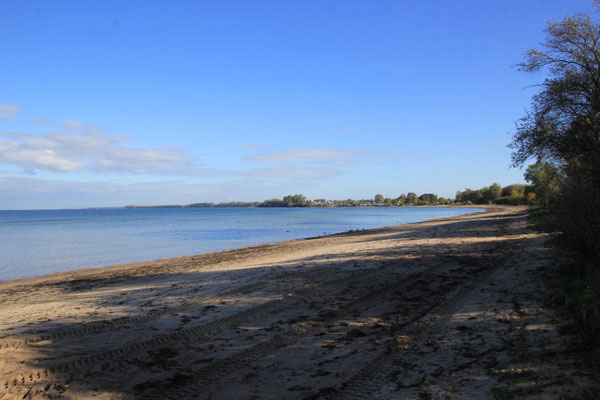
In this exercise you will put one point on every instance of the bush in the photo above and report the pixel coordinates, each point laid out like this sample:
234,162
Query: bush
581,295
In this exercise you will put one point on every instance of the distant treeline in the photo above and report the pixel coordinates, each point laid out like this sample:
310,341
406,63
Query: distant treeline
495,194
516,194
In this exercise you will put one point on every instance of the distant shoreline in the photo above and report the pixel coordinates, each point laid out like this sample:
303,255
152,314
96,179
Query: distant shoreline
134,207
316,235
221,205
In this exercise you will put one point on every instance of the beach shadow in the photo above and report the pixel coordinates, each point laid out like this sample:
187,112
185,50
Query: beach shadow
146,340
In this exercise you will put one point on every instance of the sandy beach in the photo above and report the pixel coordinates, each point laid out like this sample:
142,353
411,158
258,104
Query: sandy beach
450,308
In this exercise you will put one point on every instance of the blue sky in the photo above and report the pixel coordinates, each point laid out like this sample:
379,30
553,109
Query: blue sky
108,103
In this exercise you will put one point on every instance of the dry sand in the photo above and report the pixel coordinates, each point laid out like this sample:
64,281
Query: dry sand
450,308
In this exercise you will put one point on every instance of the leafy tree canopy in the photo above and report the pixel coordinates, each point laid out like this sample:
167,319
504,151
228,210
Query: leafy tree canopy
561,131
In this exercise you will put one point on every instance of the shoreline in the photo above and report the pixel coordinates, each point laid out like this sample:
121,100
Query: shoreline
91,270
183,206
403,311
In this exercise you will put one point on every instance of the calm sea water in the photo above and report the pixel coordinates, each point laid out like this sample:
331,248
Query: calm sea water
44,241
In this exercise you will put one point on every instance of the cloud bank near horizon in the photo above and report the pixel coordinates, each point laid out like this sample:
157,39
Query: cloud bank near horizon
27,192
79,147
74,164
75,147
320,156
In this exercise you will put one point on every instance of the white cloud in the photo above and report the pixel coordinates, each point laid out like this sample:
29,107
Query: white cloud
320,156
283,172
15,153
193,172
43,121
8,111
305,155
254,147
88,150
292,172
73,125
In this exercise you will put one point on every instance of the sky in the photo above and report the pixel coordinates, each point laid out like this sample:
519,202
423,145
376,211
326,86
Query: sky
109,103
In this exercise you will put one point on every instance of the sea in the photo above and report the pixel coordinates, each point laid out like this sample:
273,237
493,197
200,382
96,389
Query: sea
39,242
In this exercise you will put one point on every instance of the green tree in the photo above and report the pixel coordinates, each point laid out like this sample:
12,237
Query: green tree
379,198
463,197
272,203
411,198
486,195
491,193
513,195
545,182
297,200
428,198
476,197
562,127
512,189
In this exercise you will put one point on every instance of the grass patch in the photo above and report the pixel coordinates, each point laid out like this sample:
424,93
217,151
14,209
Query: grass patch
581,296
591,394
542,220
577,288
578,295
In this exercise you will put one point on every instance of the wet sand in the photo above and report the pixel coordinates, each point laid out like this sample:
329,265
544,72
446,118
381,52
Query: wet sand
450,308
